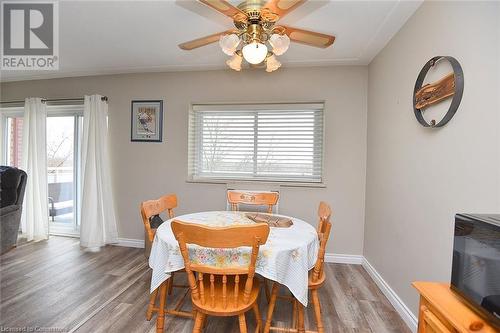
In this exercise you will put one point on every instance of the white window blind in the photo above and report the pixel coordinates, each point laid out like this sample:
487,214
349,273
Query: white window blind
272,142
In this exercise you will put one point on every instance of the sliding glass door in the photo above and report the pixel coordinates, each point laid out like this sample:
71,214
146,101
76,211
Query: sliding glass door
63,146
64,129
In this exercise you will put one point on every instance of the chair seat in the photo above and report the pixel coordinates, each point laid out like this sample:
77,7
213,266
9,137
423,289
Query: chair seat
318,283
231,308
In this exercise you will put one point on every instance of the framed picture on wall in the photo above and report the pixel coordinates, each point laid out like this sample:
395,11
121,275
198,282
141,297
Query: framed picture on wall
147,121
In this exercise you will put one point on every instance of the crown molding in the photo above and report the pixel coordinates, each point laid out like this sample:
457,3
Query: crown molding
37,75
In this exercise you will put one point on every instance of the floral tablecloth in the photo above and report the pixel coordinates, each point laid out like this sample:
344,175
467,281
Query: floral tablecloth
286,258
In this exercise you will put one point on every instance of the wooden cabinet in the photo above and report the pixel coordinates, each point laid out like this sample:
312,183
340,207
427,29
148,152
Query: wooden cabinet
443,311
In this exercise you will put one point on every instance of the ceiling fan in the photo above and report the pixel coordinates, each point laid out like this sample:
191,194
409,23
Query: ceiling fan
255,23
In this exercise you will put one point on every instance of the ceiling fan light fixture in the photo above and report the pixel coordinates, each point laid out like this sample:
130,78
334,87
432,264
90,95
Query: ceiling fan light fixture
272,64
256,36
235,62
254,52
280,43
229,43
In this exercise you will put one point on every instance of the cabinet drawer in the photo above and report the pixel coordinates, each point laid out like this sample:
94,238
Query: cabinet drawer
431,323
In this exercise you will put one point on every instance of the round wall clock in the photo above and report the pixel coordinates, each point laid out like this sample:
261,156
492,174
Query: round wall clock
450,86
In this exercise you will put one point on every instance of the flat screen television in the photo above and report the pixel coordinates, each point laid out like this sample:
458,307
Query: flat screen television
476,262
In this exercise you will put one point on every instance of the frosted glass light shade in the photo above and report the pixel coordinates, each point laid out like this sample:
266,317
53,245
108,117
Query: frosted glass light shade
280,43
229,43
255,52
235,62
272,64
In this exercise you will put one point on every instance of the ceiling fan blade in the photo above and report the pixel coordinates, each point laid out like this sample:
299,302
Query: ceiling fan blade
199,42
309,37
282,7
223,7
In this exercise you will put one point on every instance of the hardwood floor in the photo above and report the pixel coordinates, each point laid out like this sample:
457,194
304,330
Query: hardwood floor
54,284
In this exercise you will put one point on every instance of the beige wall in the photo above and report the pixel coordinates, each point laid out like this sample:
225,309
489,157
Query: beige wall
146,170
419,178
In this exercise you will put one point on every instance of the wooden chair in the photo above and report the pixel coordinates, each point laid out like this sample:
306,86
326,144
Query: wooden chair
316,280
150,208
226,291
268,199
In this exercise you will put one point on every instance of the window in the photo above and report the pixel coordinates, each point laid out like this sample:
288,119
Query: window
275,142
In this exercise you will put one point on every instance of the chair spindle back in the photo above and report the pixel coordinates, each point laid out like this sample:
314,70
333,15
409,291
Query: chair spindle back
219,277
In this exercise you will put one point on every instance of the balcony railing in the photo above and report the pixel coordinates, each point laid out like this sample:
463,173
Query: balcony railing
59,174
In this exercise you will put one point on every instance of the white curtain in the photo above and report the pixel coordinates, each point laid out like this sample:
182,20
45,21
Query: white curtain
98,221
35,216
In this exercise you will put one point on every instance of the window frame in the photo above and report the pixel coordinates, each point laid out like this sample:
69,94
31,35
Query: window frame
193,146
5,114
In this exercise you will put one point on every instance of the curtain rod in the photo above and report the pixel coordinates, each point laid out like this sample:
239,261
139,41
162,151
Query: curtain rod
103,98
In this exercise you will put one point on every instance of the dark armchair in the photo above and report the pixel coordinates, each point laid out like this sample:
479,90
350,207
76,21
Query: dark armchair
12,186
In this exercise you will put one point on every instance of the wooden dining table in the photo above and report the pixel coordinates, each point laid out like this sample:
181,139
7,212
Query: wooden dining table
286,257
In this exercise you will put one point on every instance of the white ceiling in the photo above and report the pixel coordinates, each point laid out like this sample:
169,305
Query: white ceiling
105,37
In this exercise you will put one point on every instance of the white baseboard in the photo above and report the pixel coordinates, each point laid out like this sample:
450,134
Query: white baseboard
130,242
344,258
398,304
